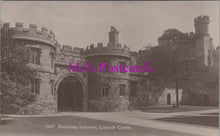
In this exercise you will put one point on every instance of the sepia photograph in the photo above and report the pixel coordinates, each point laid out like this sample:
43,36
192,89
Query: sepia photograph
109,68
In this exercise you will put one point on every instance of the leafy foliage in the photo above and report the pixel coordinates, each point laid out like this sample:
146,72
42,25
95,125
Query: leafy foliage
175,65
15,75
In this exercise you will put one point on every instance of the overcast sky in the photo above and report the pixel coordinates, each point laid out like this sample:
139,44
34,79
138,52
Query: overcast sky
139,23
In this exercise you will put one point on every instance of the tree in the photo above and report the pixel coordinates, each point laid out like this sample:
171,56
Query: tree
16,75
171,63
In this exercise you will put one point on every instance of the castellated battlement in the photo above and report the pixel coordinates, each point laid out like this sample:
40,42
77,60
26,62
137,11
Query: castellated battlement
68,48
201,20
201,24
110,49
31,33
190,34
113,48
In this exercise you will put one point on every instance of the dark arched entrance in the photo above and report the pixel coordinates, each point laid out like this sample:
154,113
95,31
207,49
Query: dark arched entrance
168,99
70,95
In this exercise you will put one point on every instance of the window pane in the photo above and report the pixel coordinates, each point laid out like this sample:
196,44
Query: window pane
105,90
32,86
122,90
38,57
51,60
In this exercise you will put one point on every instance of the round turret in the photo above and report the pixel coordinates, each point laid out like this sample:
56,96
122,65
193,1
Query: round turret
108,89
113,48
109,50
31,33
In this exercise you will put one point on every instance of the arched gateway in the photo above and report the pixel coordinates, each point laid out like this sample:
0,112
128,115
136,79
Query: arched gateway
70,93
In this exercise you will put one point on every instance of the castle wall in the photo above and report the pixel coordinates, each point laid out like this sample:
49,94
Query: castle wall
64,56
107,91
45,102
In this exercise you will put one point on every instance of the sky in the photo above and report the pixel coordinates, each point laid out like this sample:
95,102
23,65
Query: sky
140,23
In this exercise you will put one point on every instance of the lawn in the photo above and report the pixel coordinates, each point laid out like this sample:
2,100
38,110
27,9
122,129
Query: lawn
212,121
169,109
69,125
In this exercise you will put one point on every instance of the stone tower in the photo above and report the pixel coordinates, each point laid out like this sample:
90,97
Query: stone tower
108,91
203,41
201,25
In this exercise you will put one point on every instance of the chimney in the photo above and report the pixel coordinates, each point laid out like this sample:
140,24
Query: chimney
113,36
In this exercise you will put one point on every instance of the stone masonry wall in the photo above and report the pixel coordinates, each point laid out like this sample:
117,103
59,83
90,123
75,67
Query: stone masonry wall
163,98
96,80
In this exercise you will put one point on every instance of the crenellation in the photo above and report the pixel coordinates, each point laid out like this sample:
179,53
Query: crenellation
67,47
6,25
58,46
77,50
202,18
52,35
33,26
18,25
81,50
91,46
25,30
126,47
191,34
44,30
110,44
31,33
100,45
39,32
119,45
109,49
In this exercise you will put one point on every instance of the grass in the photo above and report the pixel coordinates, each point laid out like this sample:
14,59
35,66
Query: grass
36,126
212,121
170,109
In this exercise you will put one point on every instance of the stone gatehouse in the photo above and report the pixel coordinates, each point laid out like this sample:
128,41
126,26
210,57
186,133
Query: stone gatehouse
61,90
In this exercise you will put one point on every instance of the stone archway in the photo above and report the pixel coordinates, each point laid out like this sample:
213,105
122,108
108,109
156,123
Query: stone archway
70,93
